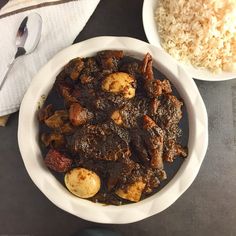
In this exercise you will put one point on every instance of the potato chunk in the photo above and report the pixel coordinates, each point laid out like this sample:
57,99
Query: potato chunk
120,83
133,192
116,117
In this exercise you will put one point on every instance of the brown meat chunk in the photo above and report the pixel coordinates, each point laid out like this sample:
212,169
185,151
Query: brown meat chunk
109,59
57,161
177,105
132,111
97,142
162,175
132,68
54,140
91,66
151,179
148,123
155,145
166,86
74,68
57,119
67,92
45,112
155,103
67,129
171,111
138,145
117,54
86,79
114,171
153,87
79,115
172,150
147,67
154,142
64,88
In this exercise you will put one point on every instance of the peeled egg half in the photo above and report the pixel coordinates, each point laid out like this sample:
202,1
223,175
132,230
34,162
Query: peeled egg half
82,182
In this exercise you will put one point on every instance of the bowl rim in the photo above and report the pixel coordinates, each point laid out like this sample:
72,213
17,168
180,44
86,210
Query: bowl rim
48,184
152,35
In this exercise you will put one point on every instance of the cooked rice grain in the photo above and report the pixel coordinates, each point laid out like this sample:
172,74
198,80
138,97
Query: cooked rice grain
201,32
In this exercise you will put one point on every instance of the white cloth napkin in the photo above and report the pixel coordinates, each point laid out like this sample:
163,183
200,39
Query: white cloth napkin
61,24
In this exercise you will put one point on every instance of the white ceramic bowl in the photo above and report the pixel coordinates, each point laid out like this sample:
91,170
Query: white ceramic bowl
58,194
150,28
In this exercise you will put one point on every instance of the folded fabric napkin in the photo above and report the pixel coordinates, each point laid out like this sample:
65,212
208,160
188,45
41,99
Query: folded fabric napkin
62,22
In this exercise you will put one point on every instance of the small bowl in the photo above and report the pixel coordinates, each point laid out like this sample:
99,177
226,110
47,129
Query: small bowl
150,28
52,188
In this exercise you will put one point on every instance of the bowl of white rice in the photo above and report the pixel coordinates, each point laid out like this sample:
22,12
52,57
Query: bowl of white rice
200,35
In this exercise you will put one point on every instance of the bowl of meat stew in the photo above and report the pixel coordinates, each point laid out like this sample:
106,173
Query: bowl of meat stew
113,130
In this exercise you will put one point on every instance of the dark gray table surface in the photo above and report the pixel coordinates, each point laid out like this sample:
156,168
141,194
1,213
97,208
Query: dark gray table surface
208,207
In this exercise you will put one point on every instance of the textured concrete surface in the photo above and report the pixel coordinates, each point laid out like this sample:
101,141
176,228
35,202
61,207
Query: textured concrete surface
208,207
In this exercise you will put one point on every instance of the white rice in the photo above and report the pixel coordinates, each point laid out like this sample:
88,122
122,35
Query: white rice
200,32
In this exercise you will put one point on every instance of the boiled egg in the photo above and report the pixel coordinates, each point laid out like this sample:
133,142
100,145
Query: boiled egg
82,182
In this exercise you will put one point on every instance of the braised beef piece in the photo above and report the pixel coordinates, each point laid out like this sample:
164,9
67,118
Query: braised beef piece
91,66
133,111
119,172
79,115
146,68
148,143
153,87
67,129
173,149
132,68
54,140
57,161
170,111
113,175
125,140
57,120
154,142
109,60
97,142
74,67
115,101
153,107
45,112
66,90
86,79
121,131
88,74
139,147
151,179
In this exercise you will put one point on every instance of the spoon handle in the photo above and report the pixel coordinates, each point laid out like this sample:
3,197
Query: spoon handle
20,52
6,73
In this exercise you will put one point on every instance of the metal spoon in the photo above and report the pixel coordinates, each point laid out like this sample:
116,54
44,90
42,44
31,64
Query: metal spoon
27,39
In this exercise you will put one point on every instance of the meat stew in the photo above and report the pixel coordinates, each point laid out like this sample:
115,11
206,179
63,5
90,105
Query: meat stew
113,129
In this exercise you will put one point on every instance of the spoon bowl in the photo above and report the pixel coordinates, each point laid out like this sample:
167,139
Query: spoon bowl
33,31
